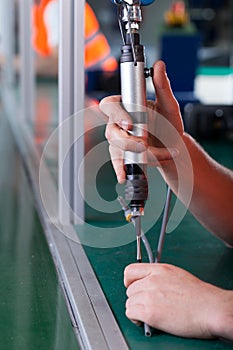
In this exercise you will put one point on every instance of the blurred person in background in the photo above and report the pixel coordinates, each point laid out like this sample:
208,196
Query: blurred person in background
45,41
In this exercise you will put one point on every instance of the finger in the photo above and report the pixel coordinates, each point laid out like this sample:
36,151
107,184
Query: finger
157,155
117,157
144,285
123,140
135,272
118,163
136,312
165,101
136,299
138,287
113,108
137,323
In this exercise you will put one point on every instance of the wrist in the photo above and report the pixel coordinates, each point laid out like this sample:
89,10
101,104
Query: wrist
222,324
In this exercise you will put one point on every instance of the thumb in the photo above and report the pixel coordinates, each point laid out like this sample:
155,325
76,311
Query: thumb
165,101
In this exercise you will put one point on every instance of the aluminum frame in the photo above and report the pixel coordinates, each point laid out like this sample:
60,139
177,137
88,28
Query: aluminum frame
7,16
27,73
71,101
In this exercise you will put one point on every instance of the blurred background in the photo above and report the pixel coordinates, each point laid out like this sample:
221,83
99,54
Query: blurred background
212,18
198,52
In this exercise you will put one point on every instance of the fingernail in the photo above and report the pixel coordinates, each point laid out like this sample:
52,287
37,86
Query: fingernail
174,152
140,147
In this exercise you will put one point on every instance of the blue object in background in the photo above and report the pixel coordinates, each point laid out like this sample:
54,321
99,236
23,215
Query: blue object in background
147,2
215,4
180,53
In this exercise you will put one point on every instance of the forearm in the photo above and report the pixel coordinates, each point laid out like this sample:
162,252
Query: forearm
212,197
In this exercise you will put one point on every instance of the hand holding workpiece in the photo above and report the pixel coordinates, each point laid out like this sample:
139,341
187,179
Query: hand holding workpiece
119,123
173,300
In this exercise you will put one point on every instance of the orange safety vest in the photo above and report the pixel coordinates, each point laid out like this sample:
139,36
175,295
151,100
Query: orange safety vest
97,49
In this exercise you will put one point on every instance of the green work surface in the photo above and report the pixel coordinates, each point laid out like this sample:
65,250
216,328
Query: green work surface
33,313
190,246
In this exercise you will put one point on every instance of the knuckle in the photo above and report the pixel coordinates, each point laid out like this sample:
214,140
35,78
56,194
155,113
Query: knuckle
127,313
128,270
101,104
108,133
128,303
165,269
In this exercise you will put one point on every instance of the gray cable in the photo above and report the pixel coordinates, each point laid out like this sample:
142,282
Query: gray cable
162,230
164,226
145,241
